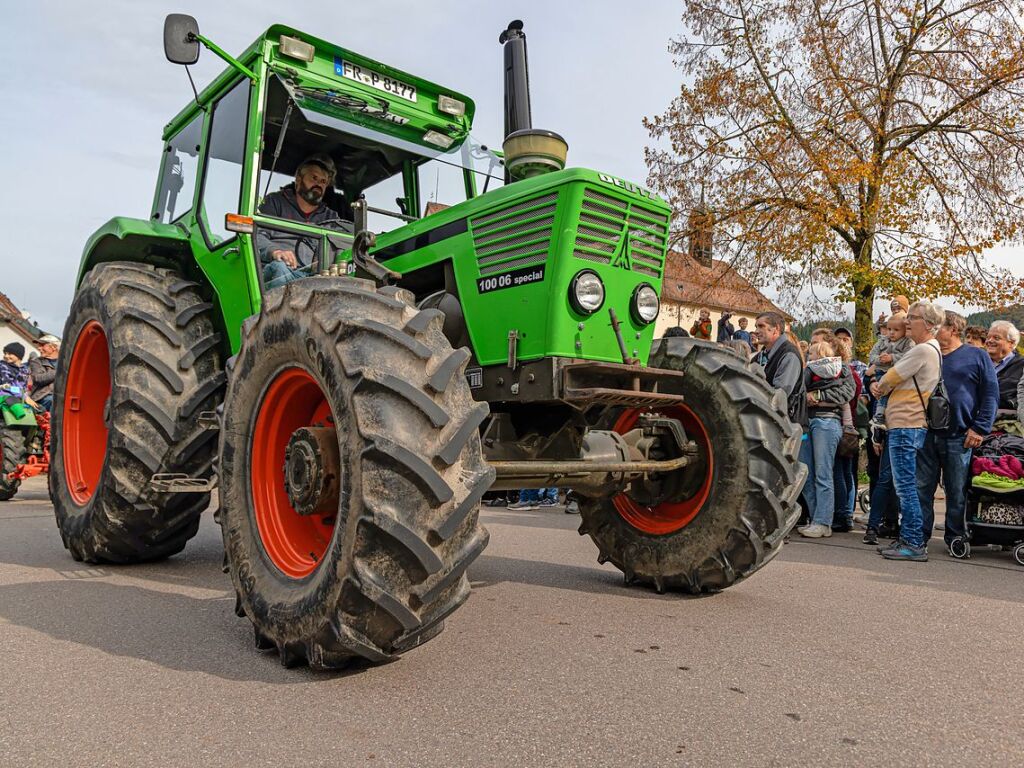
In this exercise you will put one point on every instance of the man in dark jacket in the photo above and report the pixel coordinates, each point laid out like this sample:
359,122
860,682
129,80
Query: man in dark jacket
783,365
1001,344
43,370
288,256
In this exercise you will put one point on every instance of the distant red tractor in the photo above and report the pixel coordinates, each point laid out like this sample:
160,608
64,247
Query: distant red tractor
24,445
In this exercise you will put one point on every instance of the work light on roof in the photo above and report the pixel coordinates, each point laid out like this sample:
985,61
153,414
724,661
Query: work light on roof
451,106
438,139
294,48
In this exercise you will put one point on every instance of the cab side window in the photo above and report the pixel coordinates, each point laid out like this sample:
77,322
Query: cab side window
222,185
178,175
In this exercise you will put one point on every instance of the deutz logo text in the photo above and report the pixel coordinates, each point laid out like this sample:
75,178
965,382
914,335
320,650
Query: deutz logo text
629,186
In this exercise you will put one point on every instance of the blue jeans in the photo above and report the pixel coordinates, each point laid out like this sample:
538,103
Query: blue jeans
537,494
818,452
945,454
278,273
903,445
845,483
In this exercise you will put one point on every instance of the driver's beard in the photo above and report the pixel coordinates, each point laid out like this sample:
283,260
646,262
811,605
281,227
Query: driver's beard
311,196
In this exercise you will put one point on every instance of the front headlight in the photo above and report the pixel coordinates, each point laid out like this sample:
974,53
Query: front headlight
586,292
645,304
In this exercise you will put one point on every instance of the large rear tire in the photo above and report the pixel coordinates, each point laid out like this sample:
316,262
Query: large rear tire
141,360
12,453
372,570
726,515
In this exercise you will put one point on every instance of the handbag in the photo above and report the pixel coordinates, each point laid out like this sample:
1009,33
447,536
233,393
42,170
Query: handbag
937,411
849,441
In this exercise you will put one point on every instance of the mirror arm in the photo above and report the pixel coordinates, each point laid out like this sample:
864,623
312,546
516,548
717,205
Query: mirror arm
214,48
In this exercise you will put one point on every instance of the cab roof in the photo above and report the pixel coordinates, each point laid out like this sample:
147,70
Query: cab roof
352,78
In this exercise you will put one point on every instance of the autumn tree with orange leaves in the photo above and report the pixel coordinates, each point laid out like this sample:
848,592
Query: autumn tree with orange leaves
859,146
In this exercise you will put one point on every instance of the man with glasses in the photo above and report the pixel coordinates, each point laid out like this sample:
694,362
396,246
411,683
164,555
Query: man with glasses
288,256
1001,344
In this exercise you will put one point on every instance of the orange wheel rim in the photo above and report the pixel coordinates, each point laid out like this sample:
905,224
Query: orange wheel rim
294,543
86,395
667,516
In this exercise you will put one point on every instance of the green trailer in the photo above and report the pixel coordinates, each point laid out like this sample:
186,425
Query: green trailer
455,319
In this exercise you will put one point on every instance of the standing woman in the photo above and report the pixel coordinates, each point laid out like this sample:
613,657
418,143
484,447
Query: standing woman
829,389
909,384
845,474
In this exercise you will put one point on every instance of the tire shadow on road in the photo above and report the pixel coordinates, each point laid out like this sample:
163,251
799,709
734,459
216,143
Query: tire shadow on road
170,630
491,570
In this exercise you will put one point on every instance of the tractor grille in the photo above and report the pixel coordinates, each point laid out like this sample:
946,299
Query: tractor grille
514,237
604,220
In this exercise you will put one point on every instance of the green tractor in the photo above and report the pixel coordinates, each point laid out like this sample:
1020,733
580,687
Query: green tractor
468,320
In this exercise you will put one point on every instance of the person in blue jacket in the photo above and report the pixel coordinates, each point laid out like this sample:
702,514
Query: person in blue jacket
970,379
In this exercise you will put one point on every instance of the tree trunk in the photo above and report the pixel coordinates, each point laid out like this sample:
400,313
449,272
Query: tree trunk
863,302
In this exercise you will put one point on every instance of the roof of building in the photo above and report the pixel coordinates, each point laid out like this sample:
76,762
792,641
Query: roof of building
10,314
719,286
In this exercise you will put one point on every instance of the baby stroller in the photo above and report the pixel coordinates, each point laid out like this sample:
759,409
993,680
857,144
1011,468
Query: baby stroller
995,500
992,519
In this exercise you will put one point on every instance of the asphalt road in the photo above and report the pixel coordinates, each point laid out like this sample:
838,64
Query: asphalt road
830,656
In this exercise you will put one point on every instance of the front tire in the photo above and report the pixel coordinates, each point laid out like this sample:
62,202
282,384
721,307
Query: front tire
12,454
140,362
372,570
724,517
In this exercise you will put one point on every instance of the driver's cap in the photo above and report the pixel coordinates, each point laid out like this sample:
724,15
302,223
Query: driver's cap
322,160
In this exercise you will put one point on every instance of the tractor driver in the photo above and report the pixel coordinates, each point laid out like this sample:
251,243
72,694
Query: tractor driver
288,256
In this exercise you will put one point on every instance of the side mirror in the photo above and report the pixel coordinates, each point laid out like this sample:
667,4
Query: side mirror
181,43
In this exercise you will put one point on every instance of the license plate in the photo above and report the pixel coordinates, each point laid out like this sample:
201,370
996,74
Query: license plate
375,80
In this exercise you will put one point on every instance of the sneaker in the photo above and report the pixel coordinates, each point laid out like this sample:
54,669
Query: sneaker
870,536
521,506
905,551
815,531
843,526
548,503
861,519
572,508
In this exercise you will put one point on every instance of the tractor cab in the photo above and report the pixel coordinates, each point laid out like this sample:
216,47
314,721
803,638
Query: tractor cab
400,144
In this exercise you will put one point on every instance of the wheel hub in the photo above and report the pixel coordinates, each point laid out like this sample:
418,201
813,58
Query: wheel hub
311,471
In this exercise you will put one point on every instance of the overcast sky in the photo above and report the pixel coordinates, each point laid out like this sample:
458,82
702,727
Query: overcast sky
87,91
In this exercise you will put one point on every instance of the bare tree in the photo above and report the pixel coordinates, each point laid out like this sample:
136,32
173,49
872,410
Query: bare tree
855,145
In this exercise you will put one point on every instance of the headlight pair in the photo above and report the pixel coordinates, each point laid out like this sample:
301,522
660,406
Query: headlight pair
586,294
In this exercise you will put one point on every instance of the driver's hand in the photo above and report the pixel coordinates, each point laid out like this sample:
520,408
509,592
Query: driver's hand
288,257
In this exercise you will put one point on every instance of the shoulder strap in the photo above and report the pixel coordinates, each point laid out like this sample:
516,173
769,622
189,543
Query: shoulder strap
921,396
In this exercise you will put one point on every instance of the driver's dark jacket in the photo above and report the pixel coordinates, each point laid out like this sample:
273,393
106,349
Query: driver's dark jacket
282,205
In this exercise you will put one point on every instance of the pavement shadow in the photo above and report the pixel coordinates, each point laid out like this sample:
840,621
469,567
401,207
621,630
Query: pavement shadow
171,630
491,570
988,575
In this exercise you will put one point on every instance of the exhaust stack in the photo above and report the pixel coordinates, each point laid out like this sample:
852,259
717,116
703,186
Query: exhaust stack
517,79
528,151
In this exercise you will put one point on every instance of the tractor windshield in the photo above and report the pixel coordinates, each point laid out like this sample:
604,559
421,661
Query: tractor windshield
405,179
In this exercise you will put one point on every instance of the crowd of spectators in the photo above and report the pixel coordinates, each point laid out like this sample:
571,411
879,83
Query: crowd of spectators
924,362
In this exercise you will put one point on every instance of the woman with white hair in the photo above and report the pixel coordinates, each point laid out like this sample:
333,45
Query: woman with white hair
909,384
1001,345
